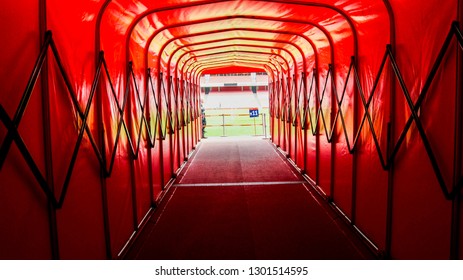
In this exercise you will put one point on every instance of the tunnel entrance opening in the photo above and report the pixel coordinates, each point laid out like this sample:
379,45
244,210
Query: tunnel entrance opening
235,104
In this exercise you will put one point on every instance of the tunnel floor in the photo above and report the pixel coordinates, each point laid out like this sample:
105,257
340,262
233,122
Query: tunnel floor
239,198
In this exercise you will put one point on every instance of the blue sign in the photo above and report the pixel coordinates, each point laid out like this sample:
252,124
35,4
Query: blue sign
253,112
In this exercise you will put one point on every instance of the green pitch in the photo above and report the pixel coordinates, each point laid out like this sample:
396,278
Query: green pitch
236,122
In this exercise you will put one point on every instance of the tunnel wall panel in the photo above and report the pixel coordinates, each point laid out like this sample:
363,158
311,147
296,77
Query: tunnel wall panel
343,178
176,150
184,143
312,157
81,229
460,229
293,143
409,222
142,183
157,181
300,147
28,234
417,199
25,220
120,207
371,195
324,166
167,159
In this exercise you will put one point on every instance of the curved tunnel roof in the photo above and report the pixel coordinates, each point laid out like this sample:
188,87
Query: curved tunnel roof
294,34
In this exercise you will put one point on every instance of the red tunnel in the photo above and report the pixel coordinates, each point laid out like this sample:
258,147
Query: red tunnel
100,109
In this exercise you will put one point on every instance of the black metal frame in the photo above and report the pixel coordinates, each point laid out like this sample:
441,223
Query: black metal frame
82,115
279,111
312,118
297,111
385,160
169,126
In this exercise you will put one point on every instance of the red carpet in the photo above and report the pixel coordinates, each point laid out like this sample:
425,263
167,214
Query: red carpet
241,200
231,160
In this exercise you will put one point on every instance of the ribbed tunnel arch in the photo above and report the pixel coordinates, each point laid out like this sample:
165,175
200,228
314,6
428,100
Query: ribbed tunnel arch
322,5
103,110
243,48
215,20
217,41
193,66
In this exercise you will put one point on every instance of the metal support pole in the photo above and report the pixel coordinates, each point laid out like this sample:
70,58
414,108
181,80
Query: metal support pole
255,130
53,224
455,235
264,125
131,157
104,192
223,125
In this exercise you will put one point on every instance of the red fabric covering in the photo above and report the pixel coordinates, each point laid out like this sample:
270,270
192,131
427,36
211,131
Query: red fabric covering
183,39
233,161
